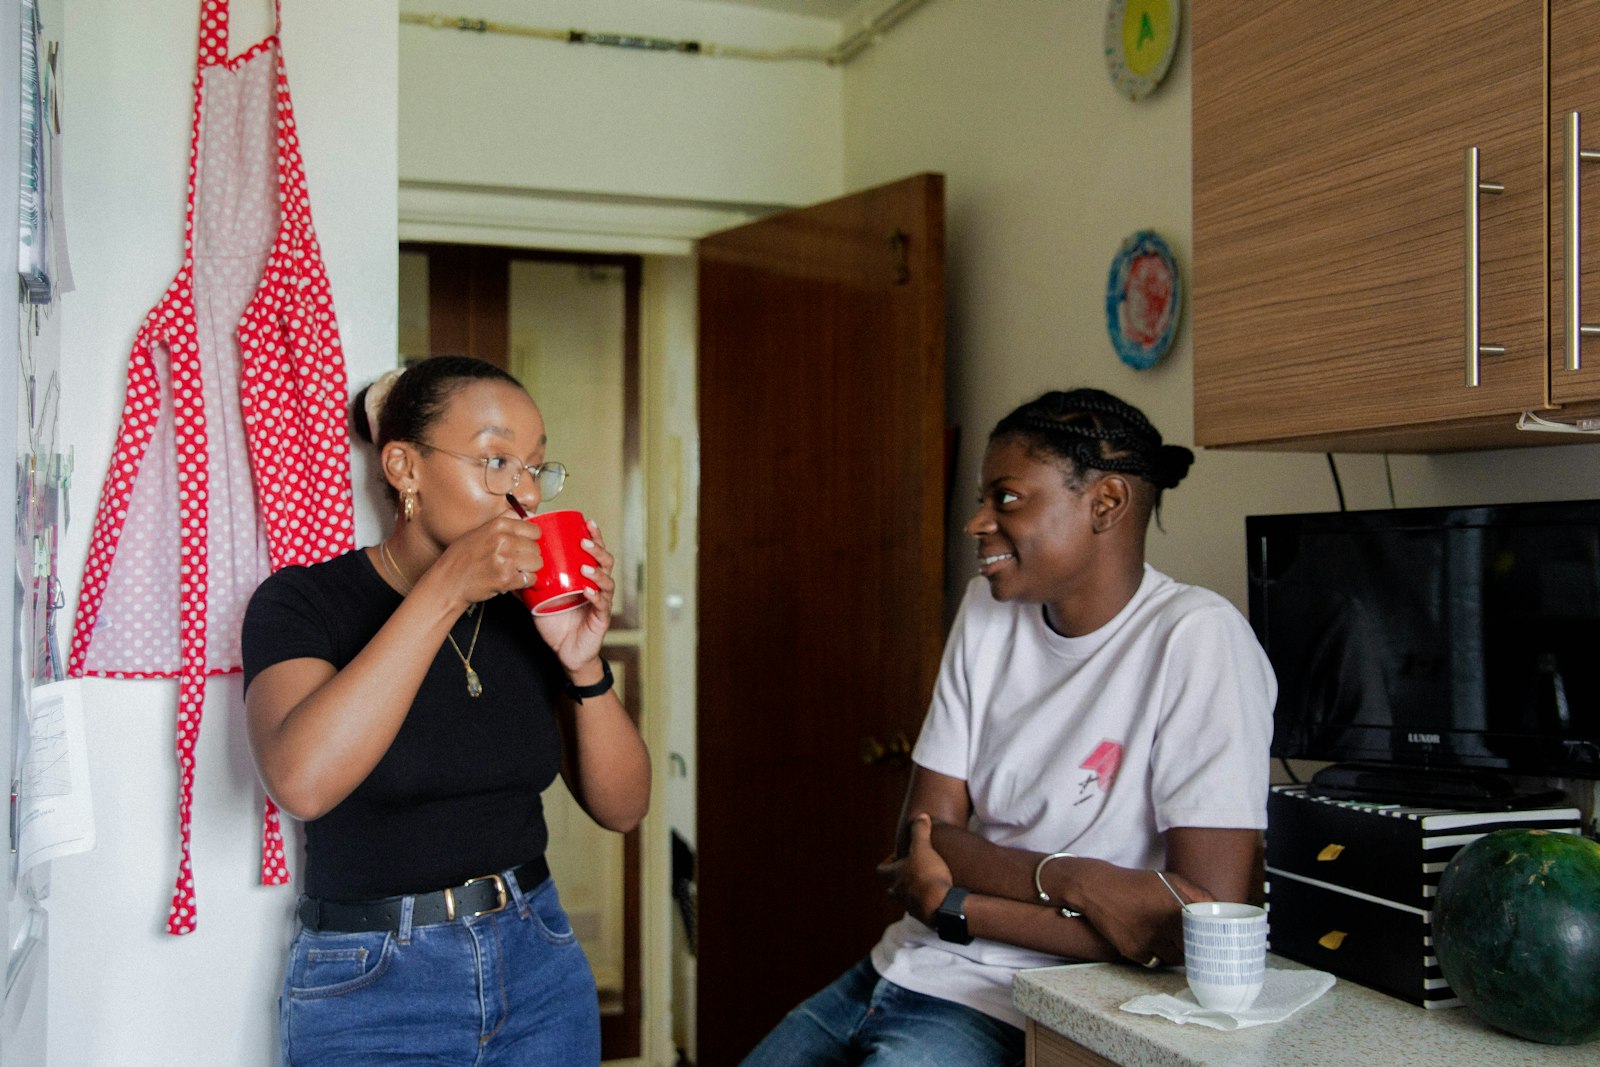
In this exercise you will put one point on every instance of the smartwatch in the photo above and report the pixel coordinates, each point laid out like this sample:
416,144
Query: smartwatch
951,918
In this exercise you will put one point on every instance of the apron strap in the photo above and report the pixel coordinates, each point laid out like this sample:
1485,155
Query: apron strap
213,47
213,32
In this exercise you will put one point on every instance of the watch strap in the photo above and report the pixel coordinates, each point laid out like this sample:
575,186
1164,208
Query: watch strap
582,692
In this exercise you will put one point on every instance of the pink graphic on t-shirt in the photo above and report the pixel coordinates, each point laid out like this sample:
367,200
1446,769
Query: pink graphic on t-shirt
1104,761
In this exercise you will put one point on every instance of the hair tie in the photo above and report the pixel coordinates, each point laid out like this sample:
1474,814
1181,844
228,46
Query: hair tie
377,393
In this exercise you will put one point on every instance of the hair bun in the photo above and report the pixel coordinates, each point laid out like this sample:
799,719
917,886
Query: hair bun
1170,465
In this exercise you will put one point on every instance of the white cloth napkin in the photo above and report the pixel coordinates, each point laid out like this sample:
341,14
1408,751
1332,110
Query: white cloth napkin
1282,994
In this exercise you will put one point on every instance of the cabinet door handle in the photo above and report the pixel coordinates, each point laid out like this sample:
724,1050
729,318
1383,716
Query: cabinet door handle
1572,155
1475,186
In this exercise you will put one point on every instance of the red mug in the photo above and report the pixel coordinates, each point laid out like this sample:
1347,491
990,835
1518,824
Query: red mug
559,584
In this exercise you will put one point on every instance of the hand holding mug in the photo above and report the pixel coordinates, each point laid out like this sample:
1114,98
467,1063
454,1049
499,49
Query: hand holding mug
565,578
575,572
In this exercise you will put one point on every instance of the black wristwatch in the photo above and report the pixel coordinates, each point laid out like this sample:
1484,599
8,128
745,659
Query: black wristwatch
951,918
580,692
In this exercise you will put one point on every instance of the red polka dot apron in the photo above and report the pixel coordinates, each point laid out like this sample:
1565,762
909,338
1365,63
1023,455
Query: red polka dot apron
232,459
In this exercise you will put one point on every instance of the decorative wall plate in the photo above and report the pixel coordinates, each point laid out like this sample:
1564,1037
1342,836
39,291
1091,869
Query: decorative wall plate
1141,39
1144,296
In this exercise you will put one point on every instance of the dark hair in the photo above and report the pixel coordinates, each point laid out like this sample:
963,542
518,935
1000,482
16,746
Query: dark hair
418,397
1094,430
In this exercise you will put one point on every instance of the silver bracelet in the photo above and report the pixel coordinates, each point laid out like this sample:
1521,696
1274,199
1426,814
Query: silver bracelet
1038,885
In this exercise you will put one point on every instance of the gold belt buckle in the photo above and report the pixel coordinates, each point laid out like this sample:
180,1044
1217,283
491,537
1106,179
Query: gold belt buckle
500,890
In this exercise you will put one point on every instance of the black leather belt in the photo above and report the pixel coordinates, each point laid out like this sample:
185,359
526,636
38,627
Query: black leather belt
477,896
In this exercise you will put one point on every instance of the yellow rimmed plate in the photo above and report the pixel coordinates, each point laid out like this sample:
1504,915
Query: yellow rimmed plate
1141,39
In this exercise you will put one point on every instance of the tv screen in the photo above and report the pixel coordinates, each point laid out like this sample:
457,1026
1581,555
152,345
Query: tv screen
1464,637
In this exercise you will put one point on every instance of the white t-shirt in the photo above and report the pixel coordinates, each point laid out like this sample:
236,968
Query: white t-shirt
1094,745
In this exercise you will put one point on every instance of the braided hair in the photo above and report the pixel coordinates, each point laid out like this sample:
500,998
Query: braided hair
1094,430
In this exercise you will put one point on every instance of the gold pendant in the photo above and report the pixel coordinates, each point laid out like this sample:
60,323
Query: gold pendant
474,687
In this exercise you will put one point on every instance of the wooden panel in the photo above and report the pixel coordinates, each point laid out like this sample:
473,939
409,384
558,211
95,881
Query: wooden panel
467,291
1328,212
821,392
1046,1048
1452,435
1574,86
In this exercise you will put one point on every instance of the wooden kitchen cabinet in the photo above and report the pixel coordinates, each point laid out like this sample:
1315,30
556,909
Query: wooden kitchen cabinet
1330,253
1574,87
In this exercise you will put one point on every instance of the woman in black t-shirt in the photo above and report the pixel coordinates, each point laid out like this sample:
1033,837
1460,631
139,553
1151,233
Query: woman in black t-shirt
411,714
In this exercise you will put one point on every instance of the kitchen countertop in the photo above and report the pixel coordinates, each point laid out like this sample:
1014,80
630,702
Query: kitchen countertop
1349,1024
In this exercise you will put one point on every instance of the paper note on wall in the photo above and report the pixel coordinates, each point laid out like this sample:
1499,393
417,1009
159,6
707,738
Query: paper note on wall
51,812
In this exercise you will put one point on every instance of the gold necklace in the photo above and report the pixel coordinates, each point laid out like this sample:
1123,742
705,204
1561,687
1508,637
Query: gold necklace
474,687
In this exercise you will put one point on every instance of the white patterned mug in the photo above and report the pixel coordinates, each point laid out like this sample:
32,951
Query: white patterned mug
1225,953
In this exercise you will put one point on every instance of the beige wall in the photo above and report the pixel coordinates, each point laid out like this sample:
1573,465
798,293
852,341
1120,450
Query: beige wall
1048,170
510,112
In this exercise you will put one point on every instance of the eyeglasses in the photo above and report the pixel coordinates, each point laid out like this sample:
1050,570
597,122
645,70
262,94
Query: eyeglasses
502,474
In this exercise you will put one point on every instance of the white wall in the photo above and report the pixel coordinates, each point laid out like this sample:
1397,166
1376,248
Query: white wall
529,114
1048,170
123,992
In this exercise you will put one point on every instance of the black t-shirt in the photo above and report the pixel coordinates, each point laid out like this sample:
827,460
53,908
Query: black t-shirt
456,795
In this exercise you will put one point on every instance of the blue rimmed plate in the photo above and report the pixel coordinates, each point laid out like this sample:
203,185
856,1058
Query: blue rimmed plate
1144,295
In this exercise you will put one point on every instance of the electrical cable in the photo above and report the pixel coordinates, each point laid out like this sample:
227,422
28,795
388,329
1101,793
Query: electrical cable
1388,474
1288,770
1338,486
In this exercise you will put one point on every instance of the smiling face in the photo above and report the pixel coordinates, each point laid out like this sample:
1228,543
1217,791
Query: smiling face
1046,535
1033,527
482,418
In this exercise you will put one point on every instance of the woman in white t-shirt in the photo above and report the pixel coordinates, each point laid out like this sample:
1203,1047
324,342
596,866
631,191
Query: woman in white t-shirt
1097,729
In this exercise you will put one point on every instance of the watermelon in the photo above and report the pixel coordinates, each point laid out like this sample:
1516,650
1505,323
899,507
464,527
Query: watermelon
1516,929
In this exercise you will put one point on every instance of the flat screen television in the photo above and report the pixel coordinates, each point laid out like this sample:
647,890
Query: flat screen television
1433,651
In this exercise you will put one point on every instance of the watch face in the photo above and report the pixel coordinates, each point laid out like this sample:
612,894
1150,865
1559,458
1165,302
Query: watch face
951,919
1140,40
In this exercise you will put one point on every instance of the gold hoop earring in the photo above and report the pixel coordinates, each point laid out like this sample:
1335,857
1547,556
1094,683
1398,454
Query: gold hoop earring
408,504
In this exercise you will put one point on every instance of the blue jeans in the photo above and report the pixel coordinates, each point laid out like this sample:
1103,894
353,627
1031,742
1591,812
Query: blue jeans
862,1020
513,987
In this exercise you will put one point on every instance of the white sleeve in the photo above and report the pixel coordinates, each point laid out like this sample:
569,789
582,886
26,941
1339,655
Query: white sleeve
945,744
1210,759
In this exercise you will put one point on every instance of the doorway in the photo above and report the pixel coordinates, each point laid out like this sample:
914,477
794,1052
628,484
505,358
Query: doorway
566,325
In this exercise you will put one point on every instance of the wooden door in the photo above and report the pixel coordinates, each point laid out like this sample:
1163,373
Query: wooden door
1329,194
821,389
1574,86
